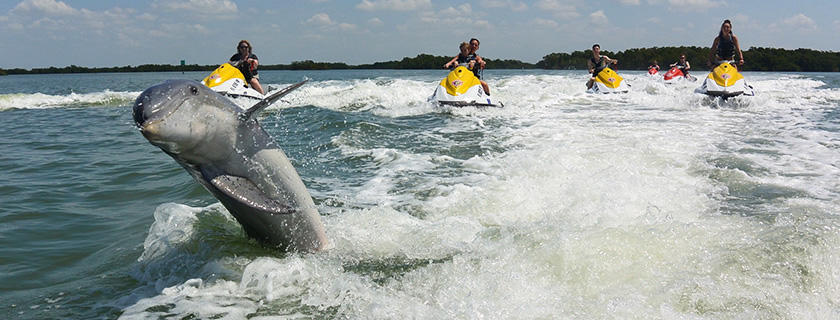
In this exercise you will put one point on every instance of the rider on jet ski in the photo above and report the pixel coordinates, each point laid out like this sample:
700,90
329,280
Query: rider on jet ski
654,66
247,62
597,63
683,65
463,58
471,59
725,46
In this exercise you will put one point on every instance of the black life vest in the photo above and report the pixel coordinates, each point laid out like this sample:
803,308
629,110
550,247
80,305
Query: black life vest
466,59
599,65
726,47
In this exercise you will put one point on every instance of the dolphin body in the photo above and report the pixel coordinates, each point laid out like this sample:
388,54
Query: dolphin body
226,150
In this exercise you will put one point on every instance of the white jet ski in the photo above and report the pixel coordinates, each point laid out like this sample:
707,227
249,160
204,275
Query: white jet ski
461,88
607,81
725,81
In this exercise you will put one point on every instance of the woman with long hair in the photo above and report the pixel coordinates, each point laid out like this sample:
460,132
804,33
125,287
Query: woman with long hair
725,47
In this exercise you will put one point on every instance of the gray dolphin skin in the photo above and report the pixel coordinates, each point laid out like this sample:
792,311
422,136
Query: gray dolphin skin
226,150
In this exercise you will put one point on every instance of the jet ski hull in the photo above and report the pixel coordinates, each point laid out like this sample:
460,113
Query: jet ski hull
229,81
725,81
461,88
608,81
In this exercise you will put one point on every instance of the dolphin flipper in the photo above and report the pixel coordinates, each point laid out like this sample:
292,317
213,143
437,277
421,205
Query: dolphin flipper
247,192
255,109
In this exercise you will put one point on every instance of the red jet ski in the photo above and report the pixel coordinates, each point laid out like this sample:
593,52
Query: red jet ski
675,73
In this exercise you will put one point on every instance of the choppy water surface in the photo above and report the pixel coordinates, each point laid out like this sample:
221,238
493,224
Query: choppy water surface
660,203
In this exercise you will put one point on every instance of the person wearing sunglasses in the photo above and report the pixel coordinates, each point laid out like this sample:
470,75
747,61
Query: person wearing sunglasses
683,65
247,62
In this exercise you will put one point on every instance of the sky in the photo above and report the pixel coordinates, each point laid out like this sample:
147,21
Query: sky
99,33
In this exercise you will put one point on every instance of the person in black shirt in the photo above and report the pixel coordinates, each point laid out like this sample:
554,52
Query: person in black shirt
247,62
725,47
597,63
683,65
464,58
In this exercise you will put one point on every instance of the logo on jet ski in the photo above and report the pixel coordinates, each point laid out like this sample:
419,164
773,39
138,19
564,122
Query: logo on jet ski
725,76
611,79
457,83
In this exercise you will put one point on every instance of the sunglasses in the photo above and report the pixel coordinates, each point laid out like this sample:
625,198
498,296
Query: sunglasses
243,47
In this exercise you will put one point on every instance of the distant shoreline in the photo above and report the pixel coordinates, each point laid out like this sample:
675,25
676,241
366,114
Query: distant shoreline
757,59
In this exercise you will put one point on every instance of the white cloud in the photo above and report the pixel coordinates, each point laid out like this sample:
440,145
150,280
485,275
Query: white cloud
455,16
546,23
630,2
48,7
396,5
347,26
320,19
462,10
564,9
483,24
375,22
513,5
690,5
214,7
598,17
324,22
800,21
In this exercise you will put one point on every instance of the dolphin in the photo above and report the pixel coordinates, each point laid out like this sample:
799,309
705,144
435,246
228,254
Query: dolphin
226,150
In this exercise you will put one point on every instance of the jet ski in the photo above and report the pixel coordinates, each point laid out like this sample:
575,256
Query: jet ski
461,88
607,81
725,81
675,74
229,81
652,71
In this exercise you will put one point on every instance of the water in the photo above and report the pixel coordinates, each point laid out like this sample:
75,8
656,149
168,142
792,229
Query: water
660,203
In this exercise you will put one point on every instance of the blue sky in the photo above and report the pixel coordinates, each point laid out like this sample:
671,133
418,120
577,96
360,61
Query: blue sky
94,33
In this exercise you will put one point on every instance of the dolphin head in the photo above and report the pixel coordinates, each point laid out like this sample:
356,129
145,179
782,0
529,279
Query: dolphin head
184,116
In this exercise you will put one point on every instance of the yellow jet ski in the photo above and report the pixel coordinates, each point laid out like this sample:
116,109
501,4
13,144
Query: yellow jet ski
725,81
229,81
461,88
607,81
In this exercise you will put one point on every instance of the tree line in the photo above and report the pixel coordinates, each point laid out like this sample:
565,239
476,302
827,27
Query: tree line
757,59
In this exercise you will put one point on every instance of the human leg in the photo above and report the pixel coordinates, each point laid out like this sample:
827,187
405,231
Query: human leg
255,83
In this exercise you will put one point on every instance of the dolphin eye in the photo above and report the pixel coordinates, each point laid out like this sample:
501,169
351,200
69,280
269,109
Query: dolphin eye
194,90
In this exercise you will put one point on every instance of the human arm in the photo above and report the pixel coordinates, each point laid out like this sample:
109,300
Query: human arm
590,65
687,65
446,65
713,50
480,61
738,48
253,61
